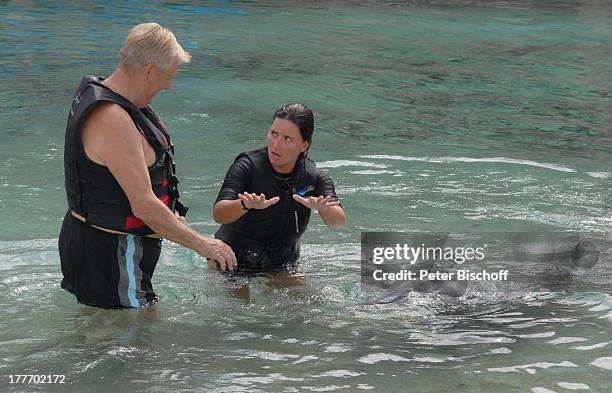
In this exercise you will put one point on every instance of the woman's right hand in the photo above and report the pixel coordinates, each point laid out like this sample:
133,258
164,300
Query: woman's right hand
254,201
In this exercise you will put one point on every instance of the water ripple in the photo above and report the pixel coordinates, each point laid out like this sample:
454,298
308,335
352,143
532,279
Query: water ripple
443,160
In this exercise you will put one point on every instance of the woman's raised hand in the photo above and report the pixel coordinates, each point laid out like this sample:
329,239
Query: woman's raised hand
317,203
254,201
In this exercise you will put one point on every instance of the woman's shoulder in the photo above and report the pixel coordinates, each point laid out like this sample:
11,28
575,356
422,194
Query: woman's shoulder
319,174
250,159
311,166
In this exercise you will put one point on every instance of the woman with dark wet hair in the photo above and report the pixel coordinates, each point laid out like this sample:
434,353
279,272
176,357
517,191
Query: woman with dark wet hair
266,199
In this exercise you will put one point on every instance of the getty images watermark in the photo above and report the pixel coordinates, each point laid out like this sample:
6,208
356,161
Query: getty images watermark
547,258
412,255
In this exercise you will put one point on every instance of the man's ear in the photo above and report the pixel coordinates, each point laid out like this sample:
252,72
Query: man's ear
148,69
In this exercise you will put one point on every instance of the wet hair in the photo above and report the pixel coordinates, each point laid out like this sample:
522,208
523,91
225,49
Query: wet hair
301,116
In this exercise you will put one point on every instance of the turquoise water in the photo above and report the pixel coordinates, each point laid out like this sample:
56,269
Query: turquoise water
454,116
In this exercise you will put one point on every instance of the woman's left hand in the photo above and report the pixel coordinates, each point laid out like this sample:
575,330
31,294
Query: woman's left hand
317,203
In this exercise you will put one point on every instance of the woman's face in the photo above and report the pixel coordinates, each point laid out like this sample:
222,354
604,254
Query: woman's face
285,144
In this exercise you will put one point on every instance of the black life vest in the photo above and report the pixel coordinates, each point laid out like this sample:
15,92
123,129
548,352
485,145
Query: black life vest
91,189
282,224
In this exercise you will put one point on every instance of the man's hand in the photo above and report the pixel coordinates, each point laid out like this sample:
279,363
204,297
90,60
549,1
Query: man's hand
216,250
254,201
317,203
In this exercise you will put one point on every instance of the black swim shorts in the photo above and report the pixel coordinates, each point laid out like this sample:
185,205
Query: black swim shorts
107,270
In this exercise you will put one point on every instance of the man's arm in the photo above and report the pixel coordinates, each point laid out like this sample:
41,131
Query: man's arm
111,138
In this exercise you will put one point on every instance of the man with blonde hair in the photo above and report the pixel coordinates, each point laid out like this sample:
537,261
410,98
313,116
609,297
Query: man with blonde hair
120,179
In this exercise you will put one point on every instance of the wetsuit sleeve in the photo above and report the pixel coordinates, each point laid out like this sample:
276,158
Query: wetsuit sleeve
236,180
325,186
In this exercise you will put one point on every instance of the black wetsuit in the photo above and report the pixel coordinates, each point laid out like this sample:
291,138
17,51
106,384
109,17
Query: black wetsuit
269,239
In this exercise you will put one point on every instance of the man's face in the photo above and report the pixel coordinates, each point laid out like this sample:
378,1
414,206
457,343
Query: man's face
158,80
285,144
165,78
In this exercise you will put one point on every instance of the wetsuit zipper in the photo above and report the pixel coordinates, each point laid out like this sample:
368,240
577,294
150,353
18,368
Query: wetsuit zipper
290,192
